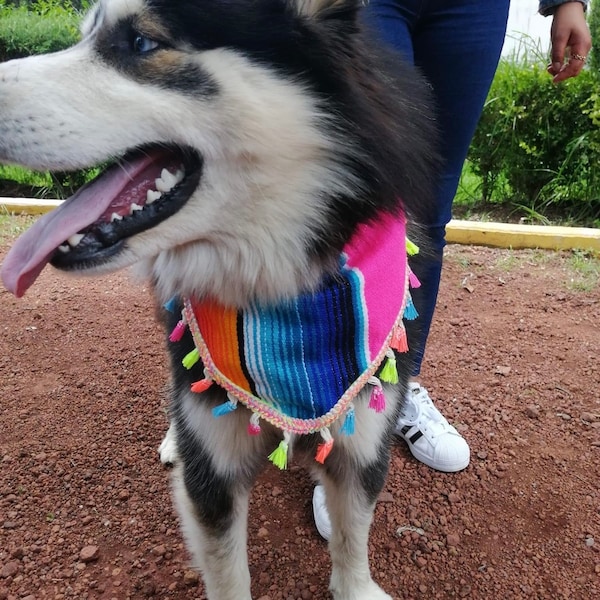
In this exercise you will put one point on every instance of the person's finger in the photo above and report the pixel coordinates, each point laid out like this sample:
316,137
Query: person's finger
560,40
554,68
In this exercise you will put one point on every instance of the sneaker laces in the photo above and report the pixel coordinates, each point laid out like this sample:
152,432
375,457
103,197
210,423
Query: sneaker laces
423,413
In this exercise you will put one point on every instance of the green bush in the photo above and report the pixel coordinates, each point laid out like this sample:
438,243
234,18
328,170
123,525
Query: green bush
538,143
593,20
43,26
37,27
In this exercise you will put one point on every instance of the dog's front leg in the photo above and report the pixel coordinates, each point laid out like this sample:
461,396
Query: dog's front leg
216,465
351,512
218,548
354,476
351,519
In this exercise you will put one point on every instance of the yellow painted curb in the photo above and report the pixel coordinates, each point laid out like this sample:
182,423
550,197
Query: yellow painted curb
27,206
507,235
498,235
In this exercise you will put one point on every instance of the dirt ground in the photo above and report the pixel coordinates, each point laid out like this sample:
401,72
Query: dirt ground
85,510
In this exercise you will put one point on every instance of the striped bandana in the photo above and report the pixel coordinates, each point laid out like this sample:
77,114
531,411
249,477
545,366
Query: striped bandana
299,364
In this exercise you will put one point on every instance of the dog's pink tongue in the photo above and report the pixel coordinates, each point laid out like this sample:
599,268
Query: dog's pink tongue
32,251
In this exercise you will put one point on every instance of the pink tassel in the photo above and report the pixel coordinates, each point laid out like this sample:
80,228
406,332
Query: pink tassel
178,331
254,425
413,280
377,401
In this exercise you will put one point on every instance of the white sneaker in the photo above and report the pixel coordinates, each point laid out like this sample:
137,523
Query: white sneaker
320,512
430,438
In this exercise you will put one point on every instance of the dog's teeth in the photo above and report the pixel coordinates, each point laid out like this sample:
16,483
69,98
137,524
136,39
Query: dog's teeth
135,207
168,177
64,248
179,175
152,195
115,217
75,239
161,186
166,181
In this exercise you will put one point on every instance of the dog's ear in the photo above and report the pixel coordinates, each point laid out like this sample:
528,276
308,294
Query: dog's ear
325,9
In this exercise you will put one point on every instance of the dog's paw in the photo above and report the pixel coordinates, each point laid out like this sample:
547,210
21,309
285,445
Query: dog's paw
376,594
366,591
168,448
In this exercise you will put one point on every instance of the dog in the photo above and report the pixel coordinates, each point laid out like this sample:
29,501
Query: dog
250,151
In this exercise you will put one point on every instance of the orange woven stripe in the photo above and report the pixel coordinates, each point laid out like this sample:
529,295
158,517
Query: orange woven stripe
218,326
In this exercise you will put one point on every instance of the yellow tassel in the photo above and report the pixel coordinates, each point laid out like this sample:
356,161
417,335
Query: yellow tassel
411,248
389,372
191,358
279,456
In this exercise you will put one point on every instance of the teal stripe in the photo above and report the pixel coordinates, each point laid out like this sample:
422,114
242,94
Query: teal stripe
303,354
361,318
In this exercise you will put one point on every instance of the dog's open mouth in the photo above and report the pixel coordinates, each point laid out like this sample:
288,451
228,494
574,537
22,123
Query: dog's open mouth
136,193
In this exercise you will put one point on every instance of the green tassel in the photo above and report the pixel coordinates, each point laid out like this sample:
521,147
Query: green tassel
191,358
279,456
411,248
389,372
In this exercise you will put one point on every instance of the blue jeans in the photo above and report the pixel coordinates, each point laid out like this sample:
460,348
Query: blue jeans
456,44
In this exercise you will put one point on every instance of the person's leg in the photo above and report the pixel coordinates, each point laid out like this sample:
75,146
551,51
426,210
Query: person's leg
457,46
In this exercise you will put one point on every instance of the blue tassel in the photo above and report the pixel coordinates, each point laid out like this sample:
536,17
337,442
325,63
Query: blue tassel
171,304
225,408
348,426
410,312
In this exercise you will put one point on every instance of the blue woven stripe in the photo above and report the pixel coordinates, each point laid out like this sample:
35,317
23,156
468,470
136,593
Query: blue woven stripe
290,349
273,353
320,342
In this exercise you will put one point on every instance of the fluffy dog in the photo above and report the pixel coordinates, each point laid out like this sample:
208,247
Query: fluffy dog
251,151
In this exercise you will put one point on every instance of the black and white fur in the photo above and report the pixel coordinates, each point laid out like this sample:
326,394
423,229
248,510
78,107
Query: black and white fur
291,134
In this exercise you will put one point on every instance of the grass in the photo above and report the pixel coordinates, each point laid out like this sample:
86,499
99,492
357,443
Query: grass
23,32
26,177
509,261
12,226
579,269
469,206
585,269
469,187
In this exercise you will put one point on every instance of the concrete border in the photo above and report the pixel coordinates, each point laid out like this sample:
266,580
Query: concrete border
507,235
498,235
27,206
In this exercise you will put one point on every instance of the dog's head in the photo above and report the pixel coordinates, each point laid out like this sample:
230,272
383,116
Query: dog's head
242,142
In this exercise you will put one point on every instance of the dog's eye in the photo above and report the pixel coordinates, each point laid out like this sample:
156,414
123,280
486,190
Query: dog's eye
143,44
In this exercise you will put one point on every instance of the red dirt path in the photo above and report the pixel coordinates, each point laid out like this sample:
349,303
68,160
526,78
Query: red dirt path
512,361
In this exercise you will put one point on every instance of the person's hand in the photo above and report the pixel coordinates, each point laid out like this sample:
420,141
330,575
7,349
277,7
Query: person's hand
571,41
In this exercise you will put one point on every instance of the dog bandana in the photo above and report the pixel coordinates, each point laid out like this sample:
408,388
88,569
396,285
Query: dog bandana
298,364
